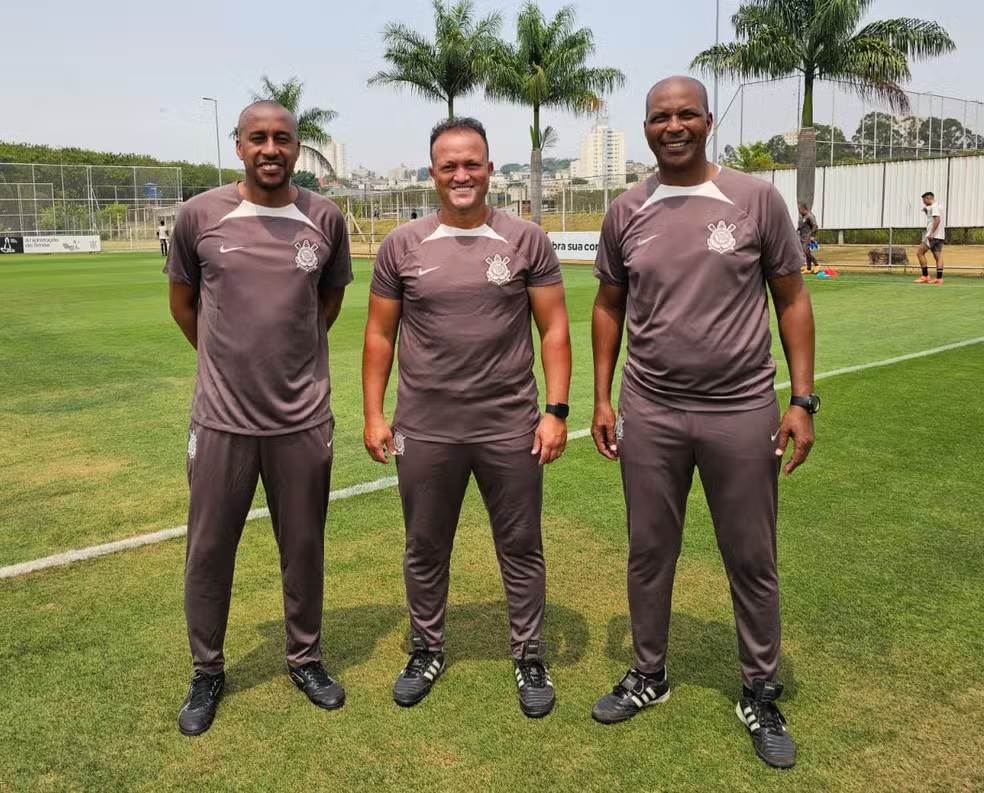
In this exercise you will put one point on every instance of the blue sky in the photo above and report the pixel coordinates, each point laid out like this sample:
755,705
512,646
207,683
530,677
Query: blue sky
125,76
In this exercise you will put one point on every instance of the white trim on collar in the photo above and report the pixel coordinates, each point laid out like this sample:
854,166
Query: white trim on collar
703,190
247,209
443,231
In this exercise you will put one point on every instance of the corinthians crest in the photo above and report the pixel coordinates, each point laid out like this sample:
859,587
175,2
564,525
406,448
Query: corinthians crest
307,255
399,443
721,239
619,427
498,272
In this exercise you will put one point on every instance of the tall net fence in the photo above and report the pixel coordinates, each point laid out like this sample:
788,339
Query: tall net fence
850,128
122,204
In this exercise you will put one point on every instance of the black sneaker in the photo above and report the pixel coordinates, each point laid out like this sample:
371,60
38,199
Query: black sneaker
536,689
757,711
321,689
417,677
633,693
198,710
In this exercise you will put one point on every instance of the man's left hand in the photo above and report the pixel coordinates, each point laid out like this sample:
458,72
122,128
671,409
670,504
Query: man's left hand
797,424
550,438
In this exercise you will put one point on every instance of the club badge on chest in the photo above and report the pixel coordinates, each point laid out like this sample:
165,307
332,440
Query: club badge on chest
307,255
722,240
498,272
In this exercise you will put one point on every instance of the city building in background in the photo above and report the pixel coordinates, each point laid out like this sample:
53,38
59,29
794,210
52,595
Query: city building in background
602,160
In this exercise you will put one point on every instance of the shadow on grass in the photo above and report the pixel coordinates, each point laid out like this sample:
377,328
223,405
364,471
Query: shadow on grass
476,631
480,631
348,638
700,653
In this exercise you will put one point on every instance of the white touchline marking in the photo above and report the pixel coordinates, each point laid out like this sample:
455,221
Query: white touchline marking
70,557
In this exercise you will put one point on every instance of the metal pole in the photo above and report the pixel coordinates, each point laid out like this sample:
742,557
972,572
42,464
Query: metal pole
717,40
741,116
563,207
963,134
218,148
874,150
833,96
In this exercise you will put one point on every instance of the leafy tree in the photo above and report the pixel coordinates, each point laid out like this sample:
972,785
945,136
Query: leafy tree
306,179
452,65
749,157
824,39
311,122
546,68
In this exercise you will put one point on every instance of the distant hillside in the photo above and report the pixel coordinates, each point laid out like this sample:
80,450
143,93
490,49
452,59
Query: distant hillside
192,174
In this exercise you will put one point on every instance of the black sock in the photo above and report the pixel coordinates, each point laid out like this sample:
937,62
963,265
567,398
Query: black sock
939,273
925,270
659,676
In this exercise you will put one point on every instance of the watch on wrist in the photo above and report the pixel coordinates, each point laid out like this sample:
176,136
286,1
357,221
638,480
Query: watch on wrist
810,403
559,409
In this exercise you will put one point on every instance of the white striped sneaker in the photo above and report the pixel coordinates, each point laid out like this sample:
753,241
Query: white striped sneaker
533,683
634,692
422,669
765,724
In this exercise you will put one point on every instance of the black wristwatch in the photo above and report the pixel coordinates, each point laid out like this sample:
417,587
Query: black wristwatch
560,410
809,403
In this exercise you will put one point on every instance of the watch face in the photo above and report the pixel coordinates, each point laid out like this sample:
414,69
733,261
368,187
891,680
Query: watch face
814,403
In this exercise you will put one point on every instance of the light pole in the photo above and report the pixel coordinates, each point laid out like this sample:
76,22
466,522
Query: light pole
717,40
218,149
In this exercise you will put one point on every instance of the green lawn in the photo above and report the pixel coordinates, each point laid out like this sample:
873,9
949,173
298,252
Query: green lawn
880,550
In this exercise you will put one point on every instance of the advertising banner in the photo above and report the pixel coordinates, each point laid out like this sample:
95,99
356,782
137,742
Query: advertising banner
63,244
577,245
11,244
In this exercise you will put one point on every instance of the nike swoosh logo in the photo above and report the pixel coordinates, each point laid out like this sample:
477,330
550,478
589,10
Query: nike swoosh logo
329,443
421,271
643,242
224,249
775,436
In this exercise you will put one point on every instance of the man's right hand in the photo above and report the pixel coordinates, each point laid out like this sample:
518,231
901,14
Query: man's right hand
378,439
603,430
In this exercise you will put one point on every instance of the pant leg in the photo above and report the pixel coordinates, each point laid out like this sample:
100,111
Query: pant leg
296,471
740,472
510,479
657,471
222,473
433,478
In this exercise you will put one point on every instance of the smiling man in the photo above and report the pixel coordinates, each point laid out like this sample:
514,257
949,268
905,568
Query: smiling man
460,287
257,273
686,256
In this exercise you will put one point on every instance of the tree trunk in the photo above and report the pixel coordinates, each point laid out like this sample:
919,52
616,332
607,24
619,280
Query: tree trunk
806,166
450,107
536,169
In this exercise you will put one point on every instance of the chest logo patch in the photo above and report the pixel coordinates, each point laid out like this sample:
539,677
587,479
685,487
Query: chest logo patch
307,255
498,272
722,240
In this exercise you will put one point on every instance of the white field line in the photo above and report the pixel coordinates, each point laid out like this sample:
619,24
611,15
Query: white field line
70,557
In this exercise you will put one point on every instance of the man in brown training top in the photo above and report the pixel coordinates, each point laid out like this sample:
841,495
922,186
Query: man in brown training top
460,287
685,257
257,272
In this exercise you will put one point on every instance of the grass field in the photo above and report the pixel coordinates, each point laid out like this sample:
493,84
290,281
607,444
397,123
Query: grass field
880,558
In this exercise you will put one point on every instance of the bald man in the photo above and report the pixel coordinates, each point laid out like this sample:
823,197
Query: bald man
257,272
685,258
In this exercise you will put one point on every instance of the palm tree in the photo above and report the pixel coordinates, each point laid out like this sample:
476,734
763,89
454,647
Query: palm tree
749,157
453,65
822,40
546,68
310,122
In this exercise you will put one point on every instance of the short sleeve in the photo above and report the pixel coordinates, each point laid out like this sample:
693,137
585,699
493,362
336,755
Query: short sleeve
609,265
544,268
782,251
183,265
386,280
337,272
935,211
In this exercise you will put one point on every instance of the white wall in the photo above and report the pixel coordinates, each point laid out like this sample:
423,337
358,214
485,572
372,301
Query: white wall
882,194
